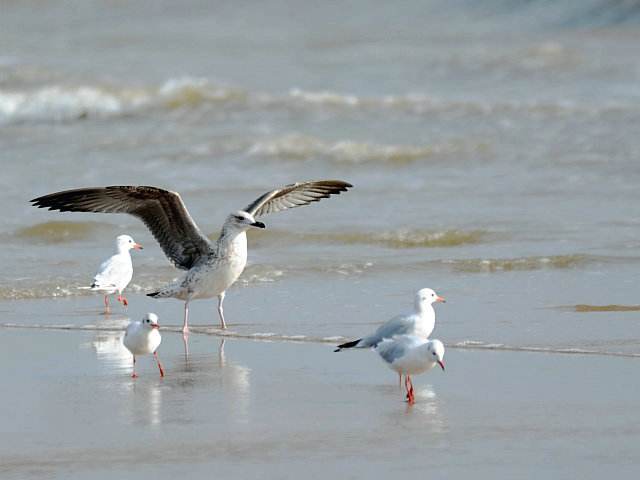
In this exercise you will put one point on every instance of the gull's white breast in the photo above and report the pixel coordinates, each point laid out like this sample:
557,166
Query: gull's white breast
413,362
140,340
211,279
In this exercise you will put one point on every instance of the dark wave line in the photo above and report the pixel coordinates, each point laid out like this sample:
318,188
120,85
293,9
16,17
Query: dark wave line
275,337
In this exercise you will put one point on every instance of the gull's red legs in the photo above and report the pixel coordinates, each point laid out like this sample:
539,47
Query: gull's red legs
155,355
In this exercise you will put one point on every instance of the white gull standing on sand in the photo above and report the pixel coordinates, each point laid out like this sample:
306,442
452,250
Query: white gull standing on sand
211,268
411,355
420,322
115,273
143,337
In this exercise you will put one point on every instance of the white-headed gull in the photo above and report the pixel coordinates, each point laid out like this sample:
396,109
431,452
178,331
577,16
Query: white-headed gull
411,355
420,322
115,273
211,268
143,337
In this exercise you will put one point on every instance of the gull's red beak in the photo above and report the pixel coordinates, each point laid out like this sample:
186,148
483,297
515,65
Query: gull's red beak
440,299
137,246
155,325
441,363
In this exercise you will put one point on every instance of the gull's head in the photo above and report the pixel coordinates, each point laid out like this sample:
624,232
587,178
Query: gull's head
242,221
426,296
124,243
150,320
436,352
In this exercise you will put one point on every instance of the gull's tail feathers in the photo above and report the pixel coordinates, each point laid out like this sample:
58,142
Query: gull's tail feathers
353,344
97,287
162,294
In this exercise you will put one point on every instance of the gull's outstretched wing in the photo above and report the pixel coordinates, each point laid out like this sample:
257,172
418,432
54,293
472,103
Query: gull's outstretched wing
295,195
161,211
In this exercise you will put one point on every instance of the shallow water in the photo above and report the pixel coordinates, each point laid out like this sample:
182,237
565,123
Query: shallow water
493,148
251,409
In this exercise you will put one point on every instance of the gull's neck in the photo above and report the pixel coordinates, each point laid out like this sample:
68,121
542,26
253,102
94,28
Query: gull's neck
232,242
124,250
425,310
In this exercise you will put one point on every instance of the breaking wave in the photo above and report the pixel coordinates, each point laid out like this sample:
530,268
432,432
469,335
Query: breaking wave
524,263
301,147
149,278
59,102
65,102
145,280
400,238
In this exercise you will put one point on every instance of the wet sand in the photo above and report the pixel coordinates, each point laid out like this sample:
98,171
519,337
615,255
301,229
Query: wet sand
274,409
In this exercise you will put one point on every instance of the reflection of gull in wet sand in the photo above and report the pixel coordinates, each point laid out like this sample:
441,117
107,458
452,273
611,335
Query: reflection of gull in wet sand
420,322
109,348
115,273
227,377
210,268
236,382
411,355
236,375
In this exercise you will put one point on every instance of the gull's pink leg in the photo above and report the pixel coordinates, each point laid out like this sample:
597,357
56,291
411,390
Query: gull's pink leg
185,325
155,355
122,300
221,311
185,343
134,374
408,385
412,398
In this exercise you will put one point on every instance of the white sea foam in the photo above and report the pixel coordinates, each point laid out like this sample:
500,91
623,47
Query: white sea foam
59,103
301,147
68,102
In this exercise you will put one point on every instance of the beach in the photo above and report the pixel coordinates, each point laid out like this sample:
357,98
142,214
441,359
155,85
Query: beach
250,409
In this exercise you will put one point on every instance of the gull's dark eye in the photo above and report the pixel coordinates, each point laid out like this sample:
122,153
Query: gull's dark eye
433,353
148,320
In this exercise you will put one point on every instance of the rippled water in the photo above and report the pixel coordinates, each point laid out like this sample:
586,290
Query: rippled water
493,147
493,151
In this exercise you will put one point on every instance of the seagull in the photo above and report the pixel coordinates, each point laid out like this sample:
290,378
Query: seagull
143,337
114,274
410,355
211,268
420,322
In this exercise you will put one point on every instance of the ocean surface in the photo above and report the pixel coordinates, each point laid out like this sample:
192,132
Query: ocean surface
493,147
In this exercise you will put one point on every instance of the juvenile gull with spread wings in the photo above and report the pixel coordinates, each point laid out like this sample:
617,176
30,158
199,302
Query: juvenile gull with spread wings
211,268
